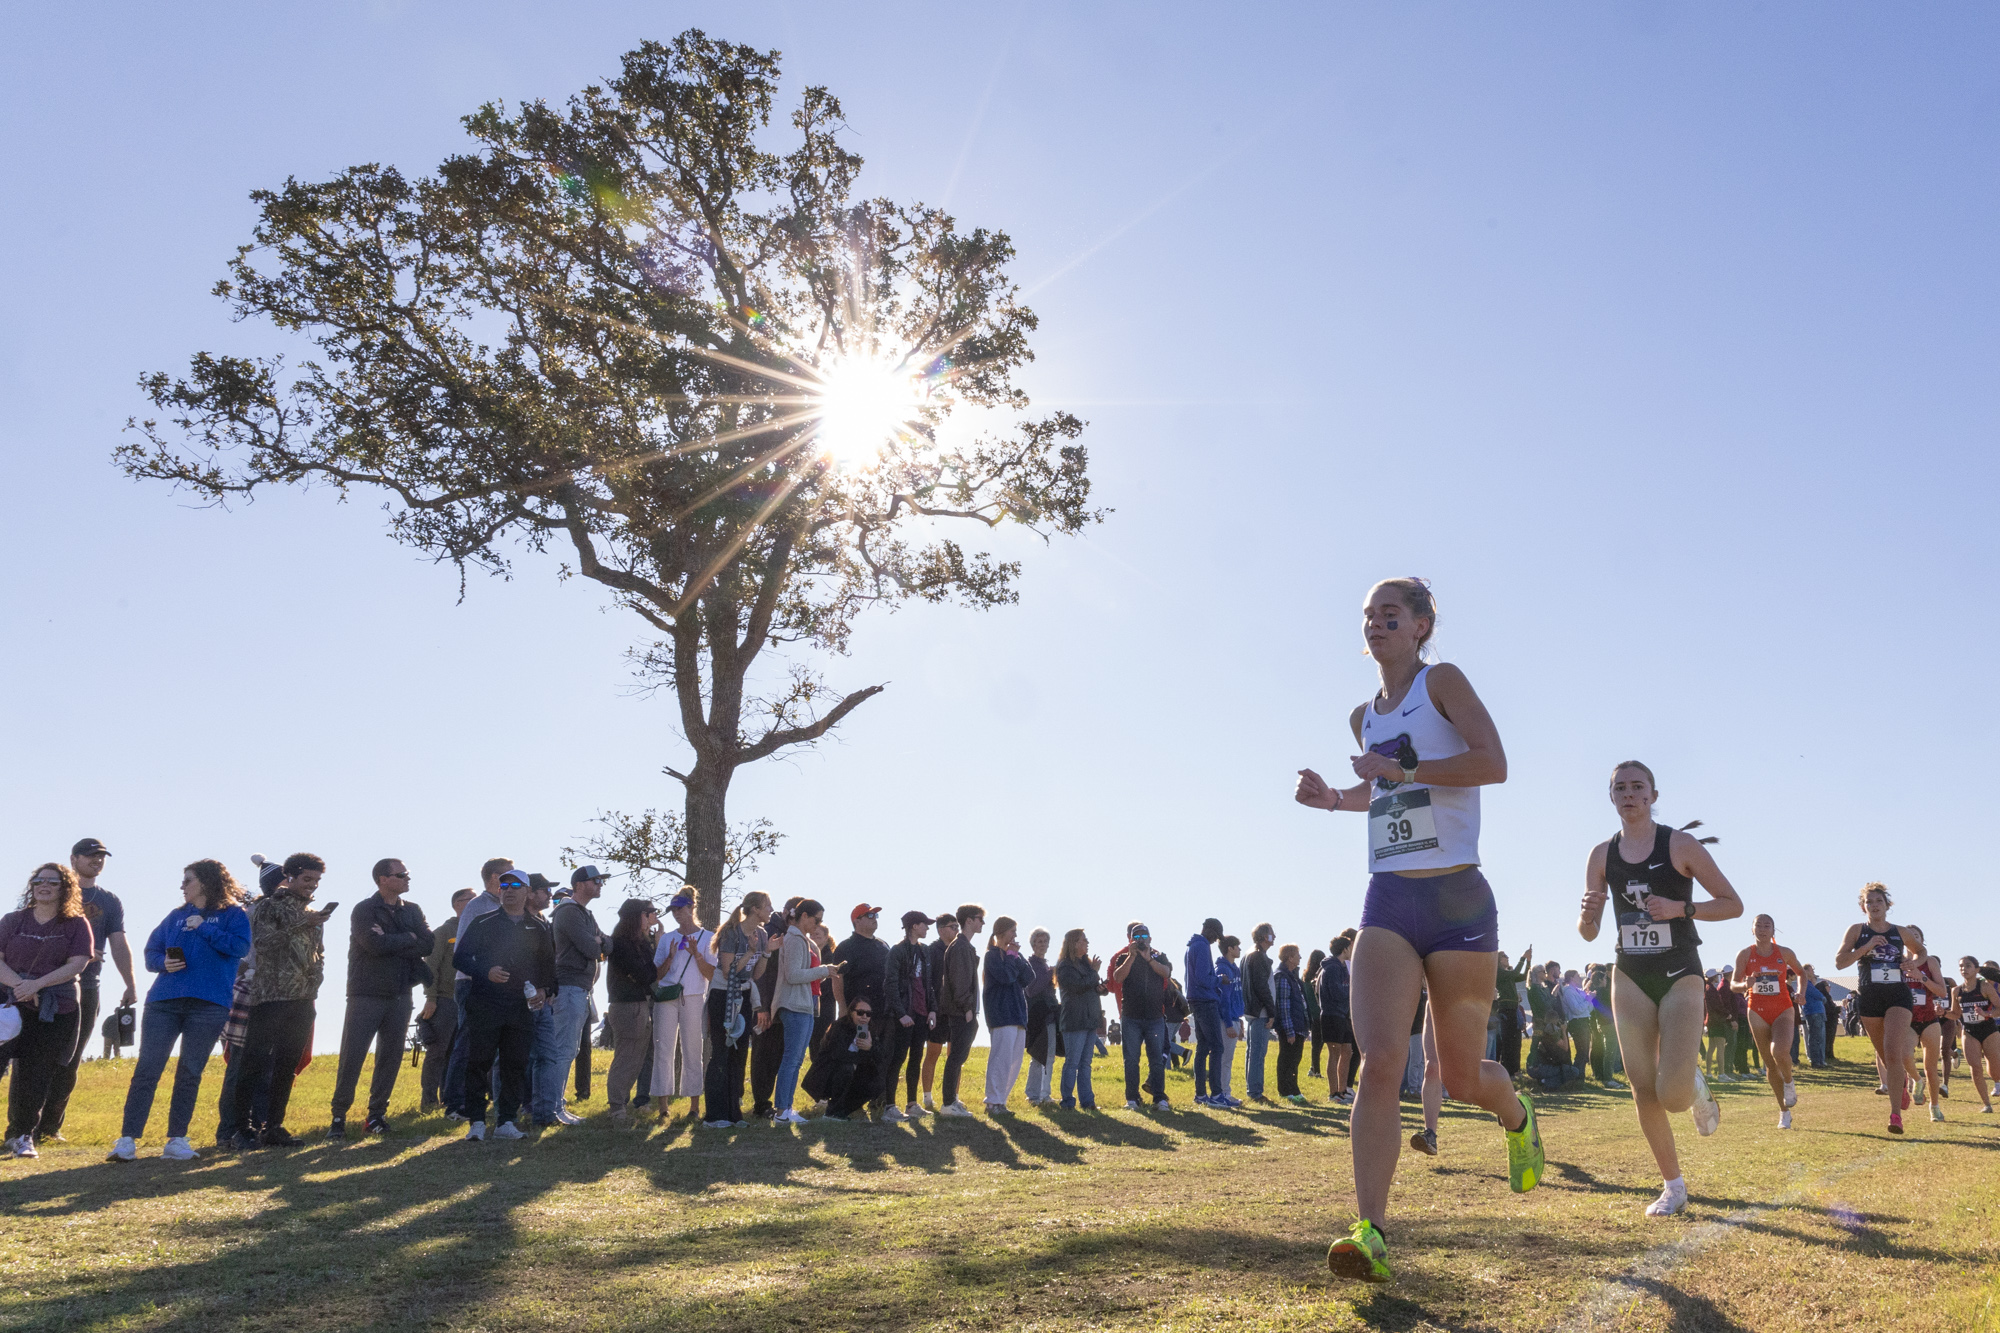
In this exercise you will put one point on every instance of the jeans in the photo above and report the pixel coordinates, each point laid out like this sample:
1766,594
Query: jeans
960,1032
1079,1048
722,1089
1603,1050
1256,1041
444,1023
63,1081
278,1034
1038,1070
541,1060
1207,1048
1816,1039
1289,1055
1003,1062
39,1051
196,1024
461,1047
1151,1035
568,1015
1579,1034
798,1033
497,1033
631,1038
384,1021
1510,1038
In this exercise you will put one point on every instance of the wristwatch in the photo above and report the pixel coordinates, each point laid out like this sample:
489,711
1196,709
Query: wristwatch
1410,773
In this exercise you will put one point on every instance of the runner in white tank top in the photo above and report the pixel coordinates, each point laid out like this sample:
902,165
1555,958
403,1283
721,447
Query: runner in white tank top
1428,745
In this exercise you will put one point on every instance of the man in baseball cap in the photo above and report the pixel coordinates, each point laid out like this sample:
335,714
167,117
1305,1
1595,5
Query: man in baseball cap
107,929
866,977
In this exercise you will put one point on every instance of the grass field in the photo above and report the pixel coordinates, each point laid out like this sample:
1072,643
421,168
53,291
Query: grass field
1185,1220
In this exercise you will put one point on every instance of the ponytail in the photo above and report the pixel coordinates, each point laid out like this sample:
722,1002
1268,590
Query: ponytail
1695,824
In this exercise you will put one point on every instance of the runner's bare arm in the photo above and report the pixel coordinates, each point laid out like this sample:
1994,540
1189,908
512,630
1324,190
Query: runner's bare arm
1692,859
1594,893
1739,980
1484,763
1316,792
1850,945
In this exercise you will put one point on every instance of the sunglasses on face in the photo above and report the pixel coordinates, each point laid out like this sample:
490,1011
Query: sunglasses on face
397,874
864,1013
46,883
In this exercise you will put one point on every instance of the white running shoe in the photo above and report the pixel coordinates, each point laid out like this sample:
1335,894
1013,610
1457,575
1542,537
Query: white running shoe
507,1129
893,1116
928,1105
1672,1199
790,1118
22,1146
1937,1114
1131,1105
567,1117
476,1132
1784,1120
1791,1094
125,1150
913,1111
1986,1109
1707,1115
955,1109
179,1150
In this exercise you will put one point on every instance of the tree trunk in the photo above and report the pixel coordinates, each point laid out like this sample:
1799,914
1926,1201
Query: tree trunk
707,840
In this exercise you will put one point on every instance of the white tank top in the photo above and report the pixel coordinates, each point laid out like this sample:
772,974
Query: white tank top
1413,825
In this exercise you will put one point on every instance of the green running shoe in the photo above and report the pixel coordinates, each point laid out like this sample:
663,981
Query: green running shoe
1524,1151
1361,1255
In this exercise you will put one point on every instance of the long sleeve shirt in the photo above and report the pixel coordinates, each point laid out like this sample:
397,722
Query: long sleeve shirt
796,974
1291,1006
1007,979
213,949
958,989
1259,1001
1198,975
1228,992
386,948
443,941
287,940
579,944
522,946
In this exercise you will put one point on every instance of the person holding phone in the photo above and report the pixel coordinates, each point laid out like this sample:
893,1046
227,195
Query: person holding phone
794,1003
288,950
683,963
196,952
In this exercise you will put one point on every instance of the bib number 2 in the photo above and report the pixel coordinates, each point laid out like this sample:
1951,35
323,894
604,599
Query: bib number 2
1401,822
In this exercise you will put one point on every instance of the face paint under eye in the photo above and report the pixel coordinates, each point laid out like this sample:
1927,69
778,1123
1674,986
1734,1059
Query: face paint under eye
1392,624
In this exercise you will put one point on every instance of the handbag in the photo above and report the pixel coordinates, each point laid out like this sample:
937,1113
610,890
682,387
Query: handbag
667,994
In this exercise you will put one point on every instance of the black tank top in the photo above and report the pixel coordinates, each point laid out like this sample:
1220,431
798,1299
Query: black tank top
1627,885
1885,952
1973,1004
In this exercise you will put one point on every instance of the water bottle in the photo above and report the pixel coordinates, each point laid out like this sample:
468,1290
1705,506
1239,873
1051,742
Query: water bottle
528,991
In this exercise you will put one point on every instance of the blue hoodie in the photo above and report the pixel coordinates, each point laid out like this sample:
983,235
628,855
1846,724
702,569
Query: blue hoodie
213,951
1199,975
1228,992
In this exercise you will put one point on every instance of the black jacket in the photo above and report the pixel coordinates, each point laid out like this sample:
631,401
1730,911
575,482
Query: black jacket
523,945
388,964
866,976
1259,1000
909,983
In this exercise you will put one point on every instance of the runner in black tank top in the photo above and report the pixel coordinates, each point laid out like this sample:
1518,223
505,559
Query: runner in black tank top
1885,965
1658,999
1975,1004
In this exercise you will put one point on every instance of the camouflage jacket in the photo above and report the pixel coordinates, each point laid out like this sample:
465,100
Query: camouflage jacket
287,947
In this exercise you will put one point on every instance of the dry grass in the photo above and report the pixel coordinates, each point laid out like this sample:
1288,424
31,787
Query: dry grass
1193,1219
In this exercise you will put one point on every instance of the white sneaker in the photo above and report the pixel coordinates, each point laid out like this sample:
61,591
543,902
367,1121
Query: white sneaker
1672,1199
507,1129
1132,1104
789,1118
912,1111
893,1116
1791,1095
565,1116
24,1146
179,1150
718,1124
928,1106
954,1109
1784,1120
1707,1115
1937,1113
125,1150
476,1132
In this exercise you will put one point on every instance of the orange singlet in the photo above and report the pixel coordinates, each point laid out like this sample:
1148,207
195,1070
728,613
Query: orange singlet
1770,1000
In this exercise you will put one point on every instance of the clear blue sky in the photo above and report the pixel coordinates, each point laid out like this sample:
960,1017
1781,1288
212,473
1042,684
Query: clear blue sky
1661,342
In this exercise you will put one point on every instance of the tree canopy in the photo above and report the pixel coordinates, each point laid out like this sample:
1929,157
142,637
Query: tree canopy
711,377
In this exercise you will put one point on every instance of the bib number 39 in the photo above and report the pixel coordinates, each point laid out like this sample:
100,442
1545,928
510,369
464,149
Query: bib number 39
1400,823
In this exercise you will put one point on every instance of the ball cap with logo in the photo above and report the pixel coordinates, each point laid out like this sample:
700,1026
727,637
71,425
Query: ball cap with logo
861,910
89,847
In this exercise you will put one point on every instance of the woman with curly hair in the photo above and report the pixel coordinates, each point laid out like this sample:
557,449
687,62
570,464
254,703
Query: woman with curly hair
196,952
42,948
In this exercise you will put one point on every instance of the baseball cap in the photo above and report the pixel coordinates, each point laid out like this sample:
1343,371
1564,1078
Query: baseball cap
89,847
537,880
861,910
586,872
1713,974
915,919
515,877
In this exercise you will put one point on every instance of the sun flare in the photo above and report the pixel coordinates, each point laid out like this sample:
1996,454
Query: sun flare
863,406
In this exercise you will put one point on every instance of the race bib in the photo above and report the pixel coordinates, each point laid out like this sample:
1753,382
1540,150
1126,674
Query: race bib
1885,976
1640,934
1765,986
1401,822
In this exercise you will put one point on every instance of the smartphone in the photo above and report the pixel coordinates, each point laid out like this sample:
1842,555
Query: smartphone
175,954
328,909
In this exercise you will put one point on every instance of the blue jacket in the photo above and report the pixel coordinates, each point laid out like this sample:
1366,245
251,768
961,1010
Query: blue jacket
1005,994
213,950
1291,1003
1228,992
1198,976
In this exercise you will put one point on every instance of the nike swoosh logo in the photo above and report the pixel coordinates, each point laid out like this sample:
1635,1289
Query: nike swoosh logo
1656,867
1471,939
1676,972
1408,711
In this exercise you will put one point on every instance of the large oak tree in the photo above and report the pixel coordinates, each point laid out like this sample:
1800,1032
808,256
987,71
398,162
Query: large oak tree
627,331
